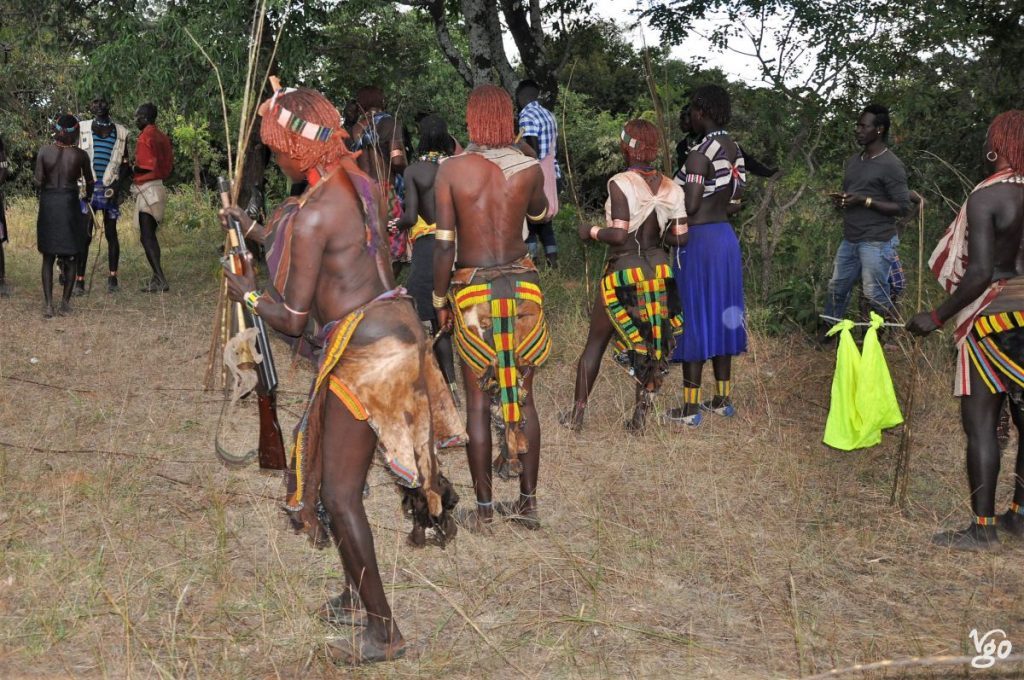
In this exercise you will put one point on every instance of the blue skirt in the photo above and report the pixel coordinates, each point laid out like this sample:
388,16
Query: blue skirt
709,276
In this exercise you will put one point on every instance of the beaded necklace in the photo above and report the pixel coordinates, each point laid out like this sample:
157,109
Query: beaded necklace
433,157
645,170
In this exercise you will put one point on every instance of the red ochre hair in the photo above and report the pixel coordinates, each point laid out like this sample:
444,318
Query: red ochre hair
648,141
1006,137
312,107
489,116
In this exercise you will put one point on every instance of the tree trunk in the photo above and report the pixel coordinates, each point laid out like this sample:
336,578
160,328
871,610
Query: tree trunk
527,30
438,13
487,61
487,57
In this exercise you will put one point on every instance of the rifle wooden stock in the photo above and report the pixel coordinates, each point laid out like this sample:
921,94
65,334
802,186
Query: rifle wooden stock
272,455
271,443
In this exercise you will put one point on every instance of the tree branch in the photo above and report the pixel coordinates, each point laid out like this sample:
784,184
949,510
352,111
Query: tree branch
536,23
444,39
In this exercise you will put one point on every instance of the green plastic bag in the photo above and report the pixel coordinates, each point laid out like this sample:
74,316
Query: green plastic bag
876,398
844,428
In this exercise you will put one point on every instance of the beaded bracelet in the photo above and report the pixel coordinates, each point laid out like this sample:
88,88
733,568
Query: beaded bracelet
251,299
934,314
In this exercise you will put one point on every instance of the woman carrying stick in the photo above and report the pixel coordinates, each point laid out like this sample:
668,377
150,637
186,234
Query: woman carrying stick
979,263
637,300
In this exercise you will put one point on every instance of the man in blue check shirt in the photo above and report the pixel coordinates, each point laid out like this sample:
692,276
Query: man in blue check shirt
537,128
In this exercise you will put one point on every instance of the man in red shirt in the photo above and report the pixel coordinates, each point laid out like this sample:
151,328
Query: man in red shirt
153,162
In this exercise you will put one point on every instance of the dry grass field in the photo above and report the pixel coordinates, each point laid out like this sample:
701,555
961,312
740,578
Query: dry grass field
741,549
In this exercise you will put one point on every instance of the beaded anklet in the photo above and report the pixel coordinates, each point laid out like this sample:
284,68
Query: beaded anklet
723,388
986,521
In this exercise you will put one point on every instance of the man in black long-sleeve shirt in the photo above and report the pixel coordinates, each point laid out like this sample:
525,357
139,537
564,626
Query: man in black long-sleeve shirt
690,140
874,196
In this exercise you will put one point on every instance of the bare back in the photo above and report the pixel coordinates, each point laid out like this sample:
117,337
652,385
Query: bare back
419,177
1004,204
60,167
333,270
487,211
713,208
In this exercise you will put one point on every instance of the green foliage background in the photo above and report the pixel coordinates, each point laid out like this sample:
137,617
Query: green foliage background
944,68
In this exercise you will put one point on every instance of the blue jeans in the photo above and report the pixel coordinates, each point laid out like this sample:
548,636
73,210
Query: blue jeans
546,232
867,261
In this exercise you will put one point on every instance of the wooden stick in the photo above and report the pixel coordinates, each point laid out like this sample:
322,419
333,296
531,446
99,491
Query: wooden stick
659,110
223,96
912,662
213,377
901,471
572,189
836,319
99,229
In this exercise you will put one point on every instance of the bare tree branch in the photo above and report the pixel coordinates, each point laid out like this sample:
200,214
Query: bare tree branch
444,38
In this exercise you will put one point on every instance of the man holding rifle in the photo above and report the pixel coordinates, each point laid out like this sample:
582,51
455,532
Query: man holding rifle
377,387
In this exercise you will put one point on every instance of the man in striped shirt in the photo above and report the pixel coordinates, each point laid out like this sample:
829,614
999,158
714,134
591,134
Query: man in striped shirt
105,142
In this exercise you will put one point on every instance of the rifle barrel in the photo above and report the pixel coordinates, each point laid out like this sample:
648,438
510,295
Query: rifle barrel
265,369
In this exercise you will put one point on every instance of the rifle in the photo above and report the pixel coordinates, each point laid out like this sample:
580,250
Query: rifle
271,445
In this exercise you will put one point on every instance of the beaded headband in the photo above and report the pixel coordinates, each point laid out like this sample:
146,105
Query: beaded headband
292,122
67,131
627,140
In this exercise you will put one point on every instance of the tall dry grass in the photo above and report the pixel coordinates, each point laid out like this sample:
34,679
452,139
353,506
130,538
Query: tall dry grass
741,549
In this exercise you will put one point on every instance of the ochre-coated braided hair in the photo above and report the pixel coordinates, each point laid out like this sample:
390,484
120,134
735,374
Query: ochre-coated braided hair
1006,138
489,116
648,141
312,107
